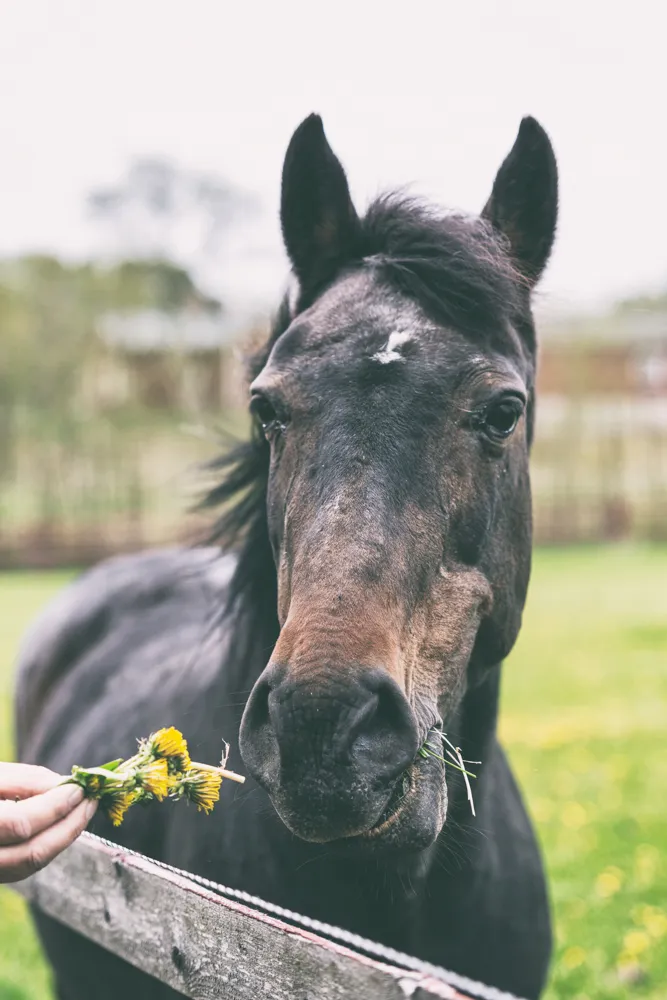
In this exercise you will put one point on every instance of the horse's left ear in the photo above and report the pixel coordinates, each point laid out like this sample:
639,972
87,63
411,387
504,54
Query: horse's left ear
318,219
524,202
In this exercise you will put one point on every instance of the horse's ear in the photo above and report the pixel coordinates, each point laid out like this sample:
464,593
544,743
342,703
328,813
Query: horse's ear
318,219
524,202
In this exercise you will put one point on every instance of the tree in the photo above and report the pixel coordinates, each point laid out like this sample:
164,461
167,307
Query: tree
643,303
160,210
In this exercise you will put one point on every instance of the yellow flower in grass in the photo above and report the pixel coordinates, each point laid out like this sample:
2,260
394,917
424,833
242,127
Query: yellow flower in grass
609,882
154,777
635,943
202,788
116,803
648,862
655,921
573,957
170,743
574,815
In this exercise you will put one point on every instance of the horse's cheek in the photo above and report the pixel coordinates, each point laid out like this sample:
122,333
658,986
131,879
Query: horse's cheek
449,626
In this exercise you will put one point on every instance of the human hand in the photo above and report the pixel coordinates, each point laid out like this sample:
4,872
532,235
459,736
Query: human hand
39,818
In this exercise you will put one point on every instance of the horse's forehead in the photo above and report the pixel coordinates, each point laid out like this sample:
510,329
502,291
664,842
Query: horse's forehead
363,320
365,309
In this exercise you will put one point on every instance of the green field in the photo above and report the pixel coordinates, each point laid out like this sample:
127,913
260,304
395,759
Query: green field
584,717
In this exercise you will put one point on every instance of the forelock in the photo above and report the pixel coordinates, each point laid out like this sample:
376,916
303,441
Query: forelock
455,266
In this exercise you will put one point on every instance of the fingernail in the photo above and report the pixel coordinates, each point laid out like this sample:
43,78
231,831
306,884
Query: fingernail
75,796
91,808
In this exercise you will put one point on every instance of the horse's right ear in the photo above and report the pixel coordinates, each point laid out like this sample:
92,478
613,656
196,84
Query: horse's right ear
318,219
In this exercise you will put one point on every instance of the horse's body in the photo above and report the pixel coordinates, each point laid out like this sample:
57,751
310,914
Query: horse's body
183,637
474,902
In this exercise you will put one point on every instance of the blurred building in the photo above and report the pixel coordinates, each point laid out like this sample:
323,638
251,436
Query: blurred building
187,360
599,466
620,355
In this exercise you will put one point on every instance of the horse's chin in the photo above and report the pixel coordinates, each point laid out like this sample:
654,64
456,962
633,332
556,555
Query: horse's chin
410,822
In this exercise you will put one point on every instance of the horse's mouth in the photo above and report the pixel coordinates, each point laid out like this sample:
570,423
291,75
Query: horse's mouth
396,804
416,810
410,820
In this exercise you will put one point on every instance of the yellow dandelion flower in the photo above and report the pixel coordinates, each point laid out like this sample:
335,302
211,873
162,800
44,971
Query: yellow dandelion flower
655,923
93,784
154,777
116,804
636,942
647,864
574,815
161,767
170,743
573,957
609,882
202,788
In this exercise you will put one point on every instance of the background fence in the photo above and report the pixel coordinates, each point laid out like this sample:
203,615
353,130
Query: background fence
599,469
78,489
106,420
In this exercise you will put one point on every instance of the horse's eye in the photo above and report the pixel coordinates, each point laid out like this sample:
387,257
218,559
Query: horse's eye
265,413
501,417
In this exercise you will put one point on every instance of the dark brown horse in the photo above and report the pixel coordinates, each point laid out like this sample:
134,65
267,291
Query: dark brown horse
379,531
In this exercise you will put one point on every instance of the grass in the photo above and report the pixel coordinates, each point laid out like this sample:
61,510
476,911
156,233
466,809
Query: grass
584,709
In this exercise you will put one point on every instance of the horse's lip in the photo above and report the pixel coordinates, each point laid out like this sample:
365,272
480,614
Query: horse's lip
398,801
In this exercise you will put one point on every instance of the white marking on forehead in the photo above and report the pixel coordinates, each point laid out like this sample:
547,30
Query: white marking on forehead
390,352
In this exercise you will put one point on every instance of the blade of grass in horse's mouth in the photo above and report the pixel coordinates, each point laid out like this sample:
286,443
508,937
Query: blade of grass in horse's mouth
456,759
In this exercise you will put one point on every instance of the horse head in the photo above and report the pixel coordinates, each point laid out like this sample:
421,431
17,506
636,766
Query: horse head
394,409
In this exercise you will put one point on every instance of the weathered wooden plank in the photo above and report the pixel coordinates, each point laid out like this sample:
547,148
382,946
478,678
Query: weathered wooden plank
202,944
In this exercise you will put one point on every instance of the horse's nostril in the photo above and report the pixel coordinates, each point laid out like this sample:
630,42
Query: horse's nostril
257,710
257,739
352,720
385,738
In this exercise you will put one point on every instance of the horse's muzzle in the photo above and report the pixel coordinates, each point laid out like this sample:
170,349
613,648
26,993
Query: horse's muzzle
328,746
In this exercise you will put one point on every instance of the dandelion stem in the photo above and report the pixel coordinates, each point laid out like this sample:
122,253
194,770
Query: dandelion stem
223,772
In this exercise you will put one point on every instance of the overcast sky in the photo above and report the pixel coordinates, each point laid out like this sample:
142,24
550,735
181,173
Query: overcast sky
428,94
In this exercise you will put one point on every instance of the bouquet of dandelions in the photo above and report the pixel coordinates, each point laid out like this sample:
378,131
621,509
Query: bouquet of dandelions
161,768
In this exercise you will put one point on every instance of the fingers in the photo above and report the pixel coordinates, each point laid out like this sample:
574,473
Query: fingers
19,781
45,820
22,820
18,861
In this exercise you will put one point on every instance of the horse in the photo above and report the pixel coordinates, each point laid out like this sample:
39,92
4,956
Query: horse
350,612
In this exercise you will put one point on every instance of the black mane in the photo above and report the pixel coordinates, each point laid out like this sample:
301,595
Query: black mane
456,267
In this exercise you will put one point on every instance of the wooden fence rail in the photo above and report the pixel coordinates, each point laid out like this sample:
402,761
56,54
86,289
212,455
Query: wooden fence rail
119,899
